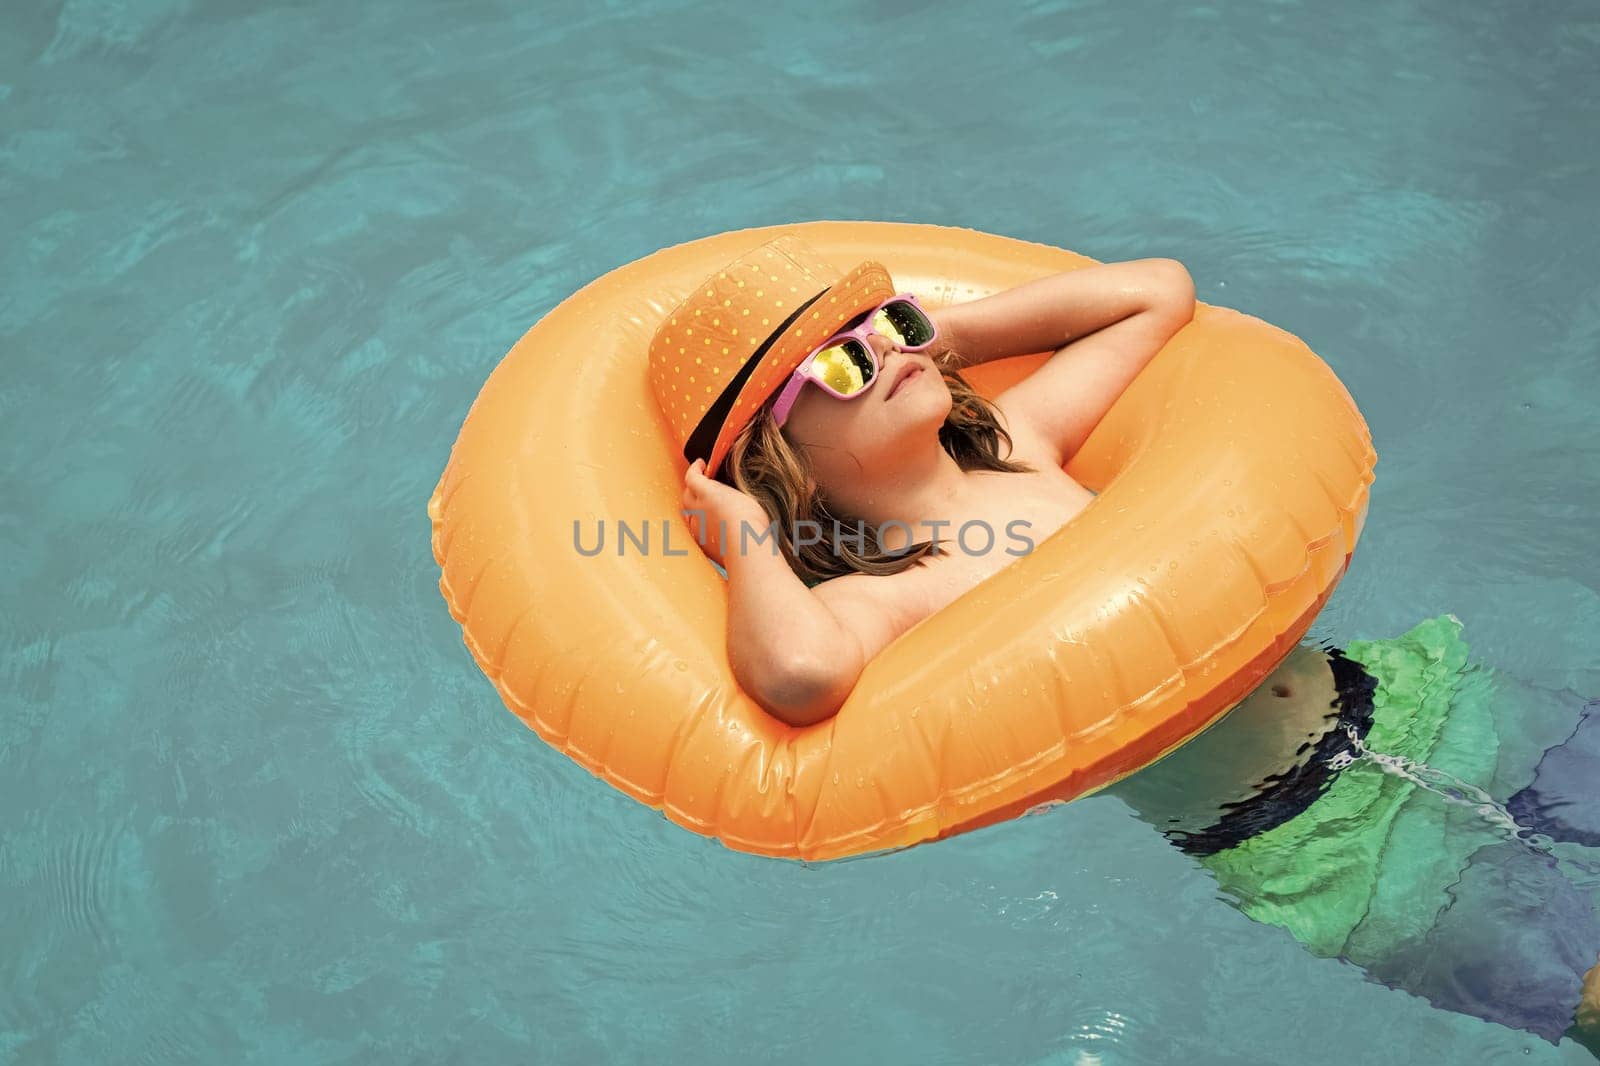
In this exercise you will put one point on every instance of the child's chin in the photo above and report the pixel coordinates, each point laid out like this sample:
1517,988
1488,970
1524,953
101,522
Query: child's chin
915,423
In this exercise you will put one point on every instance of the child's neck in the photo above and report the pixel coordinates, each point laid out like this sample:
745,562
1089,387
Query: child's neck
924,486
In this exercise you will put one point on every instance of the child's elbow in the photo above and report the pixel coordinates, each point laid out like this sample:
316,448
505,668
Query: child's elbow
803,690
1177,287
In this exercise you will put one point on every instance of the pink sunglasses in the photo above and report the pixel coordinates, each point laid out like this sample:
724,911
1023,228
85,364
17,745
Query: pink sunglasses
845,364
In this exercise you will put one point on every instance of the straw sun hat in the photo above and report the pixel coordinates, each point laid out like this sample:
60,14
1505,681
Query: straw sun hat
735,340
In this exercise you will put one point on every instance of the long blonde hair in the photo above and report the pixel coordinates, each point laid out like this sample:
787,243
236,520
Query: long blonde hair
763,464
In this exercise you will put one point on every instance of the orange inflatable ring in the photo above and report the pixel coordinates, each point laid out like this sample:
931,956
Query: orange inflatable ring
1232,484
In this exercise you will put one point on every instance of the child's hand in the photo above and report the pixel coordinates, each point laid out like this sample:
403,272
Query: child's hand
721,507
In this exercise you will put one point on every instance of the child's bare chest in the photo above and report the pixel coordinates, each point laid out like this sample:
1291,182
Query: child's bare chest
1010,518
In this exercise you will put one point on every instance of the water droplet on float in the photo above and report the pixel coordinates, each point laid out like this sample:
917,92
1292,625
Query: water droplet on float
681,665
836,779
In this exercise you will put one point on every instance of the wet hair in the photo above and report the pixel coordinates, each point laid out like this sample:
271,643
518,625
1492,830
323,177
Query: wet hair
763,464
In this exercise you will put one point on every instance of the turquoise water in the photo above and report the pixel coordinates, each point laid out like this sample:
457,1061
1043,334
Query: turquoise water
257,804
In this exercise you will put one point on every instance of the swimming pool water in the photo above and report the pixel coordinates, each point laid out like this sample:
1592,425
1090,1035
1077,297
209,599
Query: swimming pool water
257,804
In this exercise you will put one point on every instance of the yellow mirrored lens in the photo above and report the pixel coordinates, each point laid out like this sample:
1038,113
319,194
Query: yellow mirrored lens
840,372
884,325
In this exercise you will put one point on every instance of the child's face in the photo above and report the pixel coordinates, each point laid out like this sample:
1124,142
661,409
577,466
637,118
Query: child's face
871,430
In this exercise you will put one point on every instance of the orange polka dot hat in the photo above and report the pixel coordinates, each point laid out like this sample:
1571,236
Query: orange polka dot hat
735,340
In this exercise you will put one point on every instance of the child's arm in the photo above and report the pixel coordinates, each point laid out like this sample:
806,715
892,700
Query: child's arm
1113,318
796,651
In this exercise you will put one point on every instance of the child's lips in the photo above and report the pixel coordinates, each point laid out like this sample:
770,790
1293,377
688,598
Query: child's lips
904,377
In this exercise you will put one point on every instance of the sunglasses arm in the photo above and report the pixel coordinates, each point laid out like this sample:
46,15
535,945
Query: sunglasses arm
786,398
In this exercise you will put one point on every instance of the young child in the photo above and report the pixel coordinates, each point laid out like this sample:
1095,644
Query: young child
826,411
837,400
